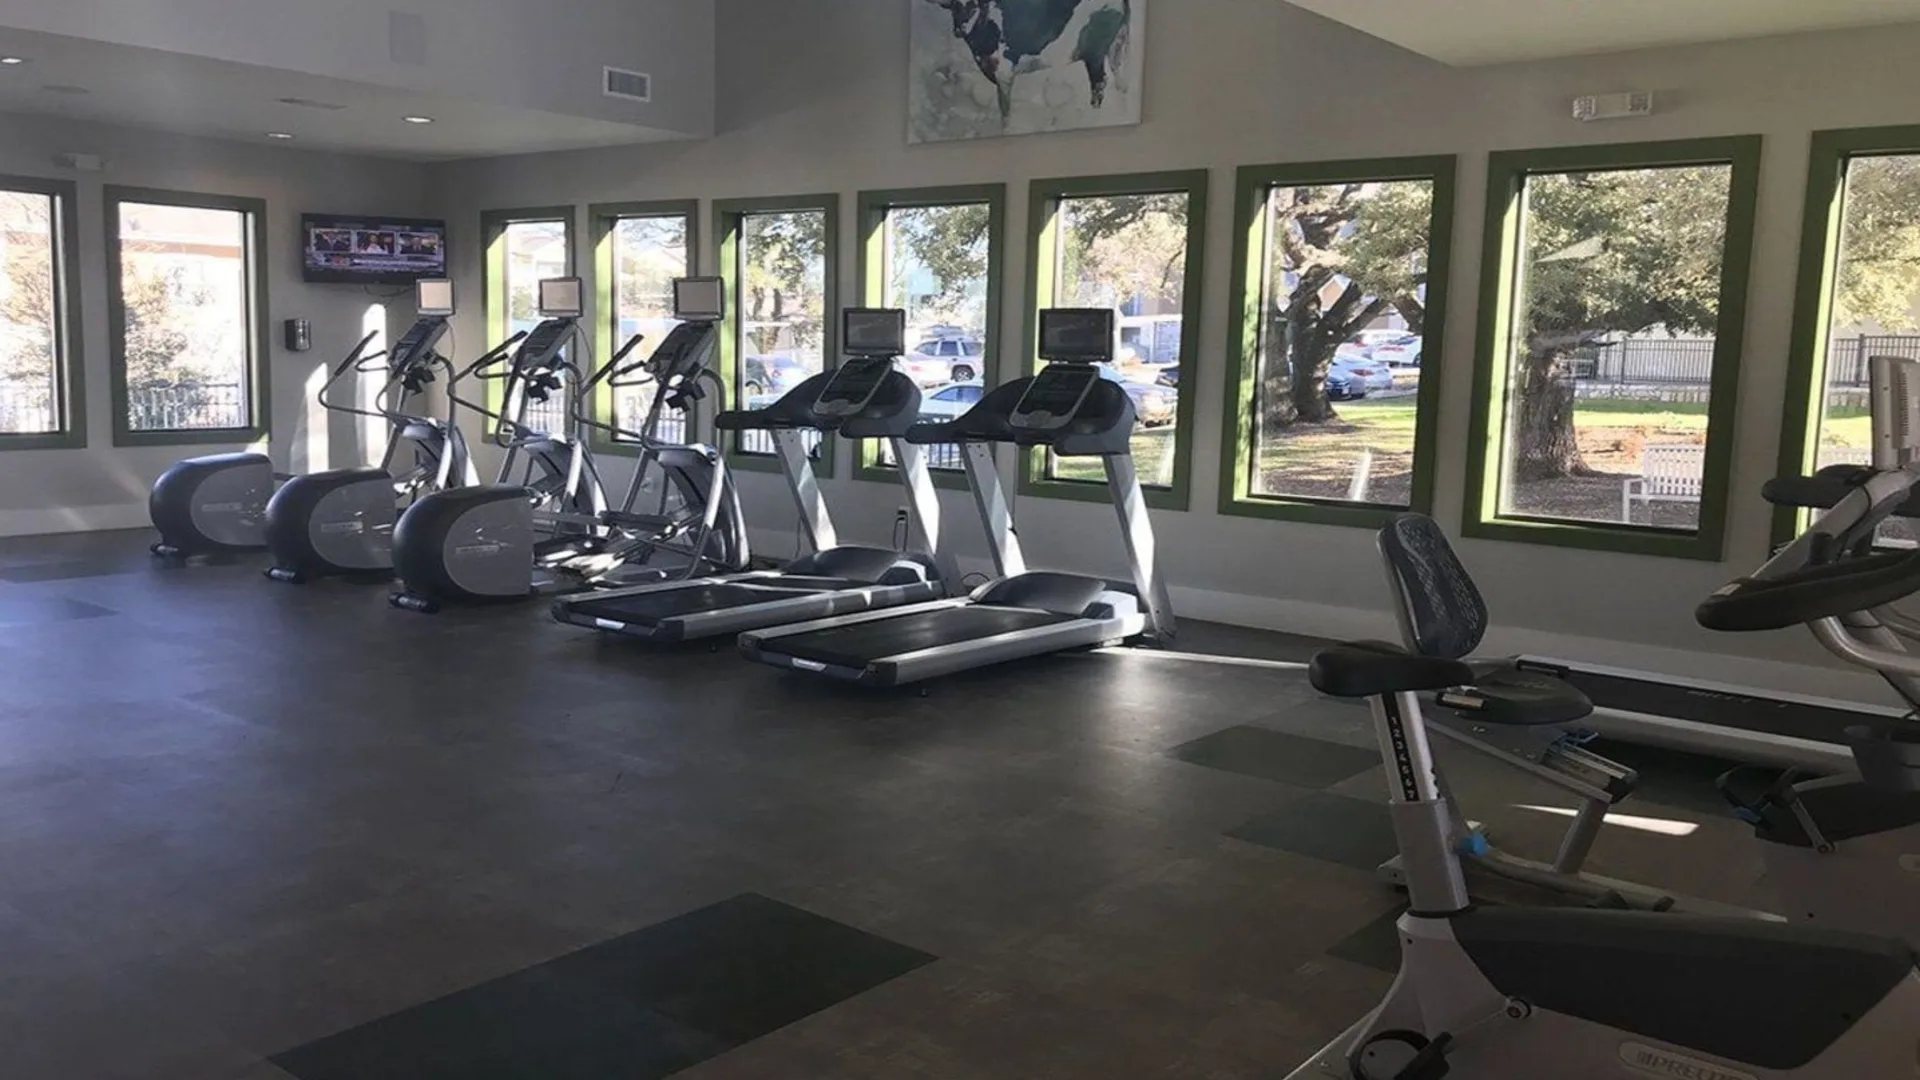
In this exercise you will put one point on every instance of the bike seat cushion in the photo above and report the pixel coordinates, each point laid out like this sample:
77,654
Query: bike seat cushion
1506,695
1374,668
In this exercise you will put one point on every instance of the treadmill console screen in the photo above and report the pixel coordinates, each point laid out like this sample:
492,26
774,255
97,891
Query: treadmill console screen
1077,335
699,299
853,385
1054,397
874,332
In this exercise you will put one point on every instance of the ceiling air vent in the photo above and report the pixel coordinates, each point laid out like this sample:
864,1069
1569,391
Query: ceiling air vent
631,85
309,103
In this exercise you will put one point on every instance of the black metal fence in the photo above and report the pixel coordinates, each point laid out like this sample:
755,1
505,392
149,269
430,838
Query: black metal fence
1847,357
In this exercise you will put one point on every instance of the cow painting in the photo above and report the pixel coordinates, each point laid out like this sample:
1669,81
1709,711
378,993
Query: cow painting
993,67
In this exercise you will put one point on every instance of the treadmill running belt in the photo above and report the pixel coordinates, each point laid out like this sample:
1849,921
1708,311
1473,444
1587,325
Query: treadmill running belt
645,608
1757,712
860,644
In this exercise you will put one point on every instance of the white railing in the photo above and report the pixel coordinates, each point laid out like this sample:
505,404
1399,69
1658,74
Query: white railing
27,409
187,407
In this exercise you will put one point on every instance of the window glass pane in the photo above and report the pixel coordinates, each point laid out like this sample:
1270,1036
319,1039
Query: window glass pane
648,254
188,340
1342,311
1617,299
1129,253
536,251
29,322
936,269
782,283
1876,305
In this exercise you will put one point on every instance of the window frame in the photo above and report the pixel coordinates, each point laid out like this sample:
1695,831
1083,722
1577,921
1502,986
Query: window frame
259,359
873,209
70,397
1507,172
1044,197
603,224
1253,188
493,231
1823,222
728,217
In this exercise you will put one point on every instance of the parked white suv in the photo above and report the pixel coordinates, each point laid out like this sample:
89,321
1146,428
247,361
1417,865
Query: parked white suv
945,355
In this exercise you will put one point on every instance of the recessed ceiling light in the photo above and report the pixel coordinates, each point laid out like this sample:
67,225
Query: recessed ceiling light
278,135
13,61
418,119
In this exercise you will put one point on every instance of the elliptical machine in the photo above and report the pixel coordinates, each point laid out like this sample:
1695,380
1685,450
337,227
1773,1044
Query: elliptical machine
1592,994
484,545
695,517
340,523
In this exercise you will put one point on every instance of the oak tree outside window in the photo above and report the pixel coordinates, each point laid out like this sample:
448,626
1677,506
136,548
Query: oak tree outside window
777,256
1859,297
1340,287
1134,244
1612,308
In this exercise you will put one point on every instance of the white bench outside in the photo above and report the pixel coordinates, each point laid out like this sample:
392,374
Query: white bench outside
1668,473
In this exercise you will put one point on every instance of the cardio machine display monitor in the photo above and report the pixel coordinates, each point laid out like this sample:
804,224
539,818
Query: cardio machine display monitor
1076,335
433,297
562,298
873,332
1896,411
699,299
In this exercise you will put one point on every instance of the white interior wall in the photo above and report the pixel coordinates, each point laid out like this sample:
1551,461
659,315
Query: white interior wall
523,53
105,486
812,98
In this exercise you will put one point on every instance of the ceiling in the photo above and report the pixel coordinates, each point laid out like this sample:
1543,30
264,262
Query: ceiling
1467,33
193,95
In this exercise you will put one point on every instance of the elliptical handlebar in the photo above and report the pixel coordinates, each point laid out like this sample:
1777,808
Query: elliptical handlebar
355,358
611,371
492,357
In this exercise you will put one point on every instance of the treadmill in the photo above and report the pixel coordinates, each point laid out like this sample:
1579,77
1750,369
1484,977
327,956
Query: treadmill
864,398
1761,727
1072,411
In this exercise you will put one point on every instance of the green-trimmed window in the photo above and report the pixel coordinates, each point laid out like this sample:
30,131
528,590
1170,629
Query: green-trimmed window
1613,299
1340,301
41,404
524,248
1135,244
935,252
185,313
778,257
1859,297
641,248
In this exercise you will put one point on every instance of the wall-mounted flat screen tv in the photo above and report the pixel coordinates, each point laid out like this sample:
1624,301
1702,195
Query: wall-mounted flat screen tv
356,250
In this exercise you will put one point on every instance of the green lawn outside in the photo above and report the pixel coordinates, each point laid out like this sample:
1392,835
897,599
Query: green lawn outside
1319,461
